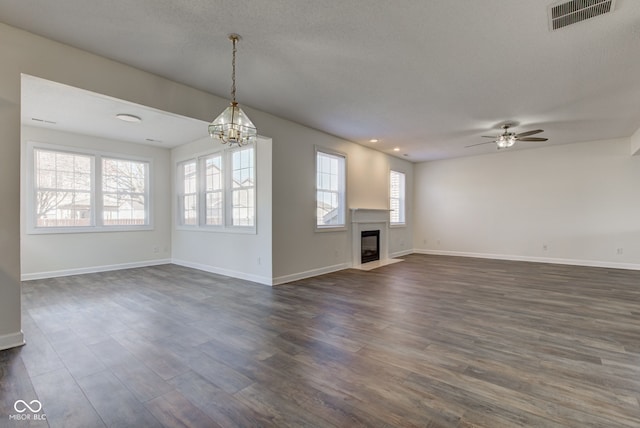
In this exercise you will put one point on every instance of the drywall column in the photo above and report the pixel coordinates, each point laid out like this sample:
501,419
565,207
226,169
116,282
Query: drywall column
635,143
10,326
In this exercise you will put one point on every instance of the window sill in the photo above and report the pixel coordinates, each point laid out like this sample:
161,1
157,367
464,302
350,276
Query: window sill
95,229
397,225
323,229
240,230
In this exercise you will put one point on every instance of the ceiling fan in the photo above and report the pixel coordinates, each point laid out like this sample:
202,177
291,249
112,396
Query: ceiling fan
508,139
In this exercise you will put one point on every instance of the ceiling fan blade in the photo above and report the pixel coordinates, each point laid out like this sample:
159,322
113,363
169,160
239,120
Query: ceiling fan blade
532,139
479,144
489,136
527,133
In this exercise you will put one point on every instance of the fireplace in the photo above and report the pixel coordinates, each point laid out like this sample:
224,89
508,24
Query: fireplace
369,246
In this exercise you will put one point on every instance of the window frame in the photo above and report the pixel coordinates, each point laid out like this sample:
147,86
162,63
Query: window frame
97,192
342,189
181,194
402,200
202,192
230,190
226,225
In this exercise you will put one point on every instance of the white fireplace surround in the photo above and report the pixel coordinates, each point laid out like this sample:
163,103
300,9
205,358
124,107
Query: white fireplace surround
363,219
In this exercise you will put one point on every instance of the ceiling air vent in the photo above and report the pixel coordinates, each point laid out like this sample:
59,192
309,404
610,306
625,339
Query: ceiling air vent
574,11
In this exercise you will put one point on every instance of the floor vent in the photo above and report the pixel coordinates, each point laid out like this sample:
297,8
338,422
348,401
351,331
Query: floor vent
574,11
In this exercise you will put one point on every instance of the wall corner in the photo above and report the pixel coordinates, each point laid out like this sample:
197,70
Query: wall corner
635,143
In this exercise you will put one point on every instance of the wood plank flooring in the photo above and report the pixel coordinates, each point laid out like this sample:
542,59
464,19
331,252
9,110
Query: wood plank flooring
430,342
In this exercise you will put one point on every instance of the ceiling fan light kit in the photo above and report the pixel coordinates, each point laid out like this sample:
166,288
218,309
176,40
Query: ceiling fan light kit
505,141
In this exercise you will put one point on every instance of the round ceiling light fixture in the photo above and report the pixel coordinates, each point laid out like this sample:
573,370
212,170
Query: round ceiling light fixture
128,117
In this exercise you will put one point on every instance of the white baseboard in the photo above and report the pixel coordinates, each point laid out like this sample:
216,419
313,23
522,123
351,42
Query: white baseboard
11,340
400,253
559,261
92,269
310,273
226,272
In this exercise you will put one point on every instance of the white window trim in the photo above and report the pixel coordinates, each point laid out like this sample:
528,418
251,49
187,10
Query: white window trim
227,226
201,189
330,227
179,184
228,178
404,201
96,191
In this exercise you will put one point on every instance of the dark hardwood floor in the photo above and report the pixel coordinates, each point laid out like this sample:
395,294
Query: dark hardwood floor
430,342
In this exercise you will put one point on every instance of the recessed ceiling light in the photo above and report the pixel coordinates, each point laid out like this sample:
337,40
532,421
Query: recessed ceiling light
397,149
128,117
373,140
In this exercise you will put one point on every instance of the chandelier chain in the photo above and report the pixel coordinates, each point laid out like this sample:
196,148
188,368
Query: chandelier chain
232,126
233,70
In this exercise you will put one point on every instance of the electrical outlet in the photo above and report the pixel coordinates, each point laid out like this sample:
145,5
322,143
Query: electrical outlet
544,247
619,251
156,249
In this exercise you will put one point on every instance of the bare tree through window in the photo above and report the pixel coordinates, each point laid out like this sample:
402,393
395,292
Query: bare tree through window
63,189
67,187
124,184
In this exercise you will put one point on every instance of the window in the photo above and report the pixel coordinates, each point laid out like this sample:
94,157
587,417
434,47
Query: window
242,192
330,189
63,189
213,190
124,194
188,193
80,191
396,197
223,185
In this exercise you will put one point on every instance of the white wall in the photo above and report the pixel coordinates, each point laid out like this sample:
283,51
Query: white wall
579,200
56,254
298,250
246,256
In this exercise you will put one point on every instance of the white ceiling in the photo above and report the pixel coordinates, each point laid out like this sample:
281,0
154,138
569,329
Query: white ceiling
429,77
60,107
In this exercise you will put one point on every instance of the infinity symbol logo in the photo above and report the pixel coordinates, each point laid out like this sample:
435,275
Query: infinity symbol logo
21,406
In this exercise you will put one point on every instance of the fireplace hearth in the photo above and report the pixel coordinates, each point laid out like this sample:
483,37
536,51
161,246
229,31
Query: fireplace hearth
369,246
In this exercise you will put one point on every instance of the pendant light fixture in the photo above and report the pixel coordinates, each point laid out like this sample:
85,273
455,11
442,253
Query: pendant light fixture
233,127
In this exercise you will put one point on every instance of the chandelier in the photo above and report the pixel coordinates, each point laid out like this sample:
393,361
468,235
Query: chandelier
233,127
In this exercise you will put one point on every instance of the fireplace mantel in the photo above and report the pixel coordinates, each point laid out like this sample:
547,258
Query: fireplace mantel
363,219
369,215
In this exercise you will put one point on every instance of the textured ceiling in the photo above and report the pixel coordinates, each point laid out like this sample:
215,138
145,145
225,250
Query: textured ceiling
429,77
